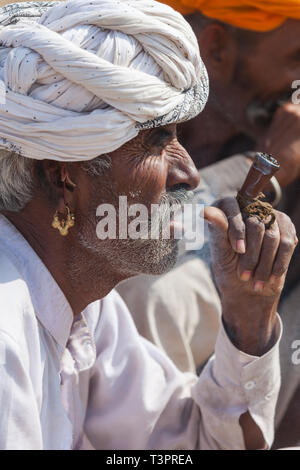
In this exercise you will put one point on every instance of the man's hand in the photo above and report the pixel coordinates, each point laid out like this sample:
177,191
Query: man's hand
250,265
282,139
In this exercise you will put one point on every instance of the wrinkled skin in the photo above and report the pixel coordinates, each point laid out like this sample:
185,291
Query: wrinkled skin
245,273
146,168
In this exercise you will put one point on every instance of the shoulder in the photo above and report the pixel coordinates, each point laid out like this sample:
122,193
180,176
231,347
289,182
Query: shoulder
16,309
115,321
114,309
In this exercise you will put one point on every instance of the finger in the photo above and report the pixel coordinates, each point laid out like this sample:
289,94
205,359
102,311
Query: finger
216,218
288,243
267,258
236,229
255,231
218,227
286,117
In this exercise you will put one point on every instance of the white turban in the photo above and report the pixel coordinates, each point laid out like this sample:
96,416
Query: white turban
85,77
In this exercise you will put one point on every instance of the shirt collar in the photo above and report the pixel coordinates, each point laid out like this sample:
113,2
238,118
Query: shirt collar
50,304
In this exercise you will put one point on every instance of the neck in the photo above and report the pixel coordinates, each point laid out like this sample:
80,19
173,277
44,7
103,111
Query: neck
82,278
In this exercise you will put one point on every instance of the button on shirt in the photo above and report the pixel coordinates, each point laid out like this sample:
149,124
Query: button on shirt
91,381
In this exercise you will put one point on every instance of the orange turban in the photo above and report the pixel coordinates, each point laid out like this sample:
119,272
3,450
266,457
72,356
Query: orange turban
256,15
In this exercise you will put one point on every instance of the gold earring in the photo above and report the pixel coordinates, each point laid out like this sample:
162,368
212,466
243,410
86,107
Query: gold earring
64,225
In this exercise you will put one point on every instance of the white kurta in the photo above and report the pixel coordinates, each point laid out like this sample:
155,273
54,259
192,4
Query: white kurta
93,382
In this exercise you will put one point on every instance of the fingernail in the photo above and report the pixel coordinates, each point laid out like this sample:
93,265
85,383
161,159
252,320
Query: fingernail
245,277
259,286
241,247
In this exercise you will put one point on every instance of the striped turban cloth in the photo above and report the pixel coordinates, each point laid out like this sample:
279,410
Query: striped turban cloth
80,78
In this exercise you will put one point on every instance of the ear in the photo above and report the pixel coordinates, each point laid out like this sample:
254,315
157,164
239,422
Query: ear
57,183
219,50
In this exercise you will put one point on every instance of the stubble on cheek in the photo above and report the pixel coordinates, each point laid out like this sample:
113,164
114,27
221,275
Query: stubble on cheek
127,256
147,256
142,181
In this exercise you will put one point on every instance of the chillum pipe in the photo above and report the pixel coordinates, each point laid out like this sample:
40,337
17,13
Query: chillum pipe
263,168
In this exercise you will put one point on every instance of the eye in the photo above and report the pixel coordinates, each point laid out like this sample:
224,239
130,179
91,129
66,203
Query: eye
159,137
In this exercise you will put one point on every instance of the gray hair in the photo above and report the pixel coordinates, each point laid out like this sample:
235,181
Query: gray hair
17,178
15,181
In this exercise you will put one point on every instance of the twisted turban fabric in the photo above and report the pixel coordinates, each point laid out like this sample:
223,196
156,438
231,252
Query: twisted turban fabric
255,15
79,79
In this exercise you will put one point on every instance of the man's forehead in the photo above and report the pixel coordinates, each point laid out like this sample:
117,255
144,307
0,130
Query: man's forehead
265,47
287,35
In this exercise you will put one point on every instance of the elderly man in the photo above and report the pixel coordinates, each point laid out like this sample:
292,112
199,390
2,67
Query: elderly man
90,97
244,46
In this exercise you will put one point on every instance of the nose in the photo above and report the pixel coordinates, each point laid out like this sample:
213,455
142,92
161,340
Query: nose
181,169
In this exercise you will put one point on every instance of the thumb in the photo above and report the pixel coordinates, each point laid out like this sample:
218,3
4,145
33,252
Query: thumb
218,226
216,218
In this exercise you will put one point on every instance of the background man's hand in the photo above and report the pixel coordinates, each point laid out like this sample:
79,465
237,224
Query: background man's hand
250,265
282,139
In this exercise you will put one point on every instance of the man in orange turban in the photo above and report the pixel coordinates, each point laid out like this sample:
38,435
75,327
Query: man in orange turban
255,15
252,52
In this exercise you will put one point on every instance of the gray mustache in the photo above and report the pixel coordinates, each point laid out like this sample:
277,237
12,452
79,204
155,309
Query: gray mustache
170,203
178,197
